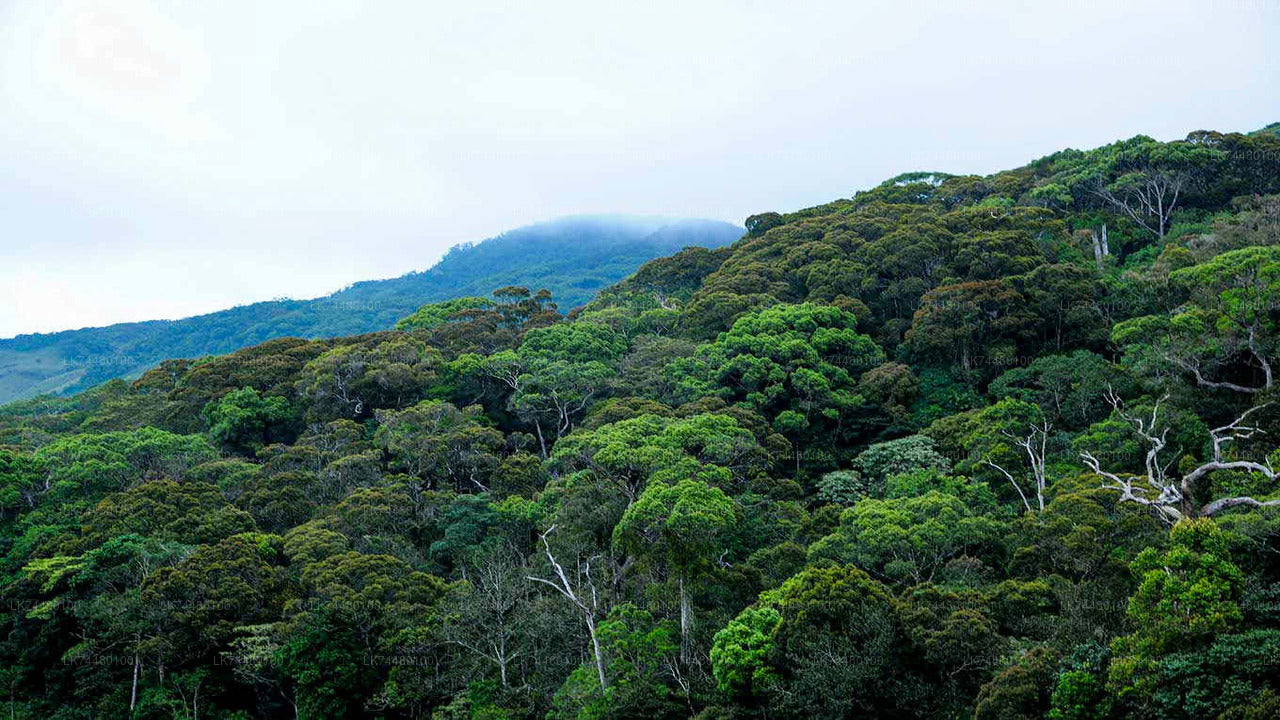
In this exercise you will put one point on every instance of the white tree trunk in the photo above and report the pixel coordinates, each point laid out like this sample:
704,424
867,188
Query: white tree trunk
133,694
686,623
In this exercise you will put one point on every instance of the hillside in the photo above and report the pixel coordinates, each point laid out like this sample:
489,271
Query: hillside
573,257
994,447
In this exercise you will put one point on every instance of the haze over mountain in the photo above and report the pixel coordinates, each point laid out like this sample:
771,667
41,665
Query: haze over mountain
573,257
164,159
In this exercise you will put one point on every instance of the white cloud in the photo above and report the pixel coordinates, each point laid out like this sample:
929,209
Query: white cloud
164,158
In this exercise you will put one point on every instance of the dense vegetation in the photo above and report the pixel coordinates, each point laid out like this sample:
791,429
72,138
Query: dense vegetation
988,447
574,257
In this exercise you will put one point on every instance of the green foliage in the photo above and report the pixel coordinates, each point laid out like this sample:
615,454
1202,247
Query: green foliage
1020,691
873,468
1070,390
907,539
681,524
441,444
352,381
432,315
572,257
1185,596
245,421
838,626
739,657
638,647
831,471
796,364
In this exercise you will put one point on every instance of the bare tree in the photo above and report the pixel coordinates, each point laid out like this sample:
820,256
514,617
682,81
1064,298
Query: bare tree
1149,196
582,591
1259,358
1173,498
488,613
1034,444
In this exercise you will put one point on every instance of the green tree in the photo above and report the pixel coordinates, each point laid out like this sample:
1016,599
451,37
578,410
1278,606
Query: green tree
443,445
741,651
906,539
797,364
971,324
1186,595
683,526
554,375
352,381
243,420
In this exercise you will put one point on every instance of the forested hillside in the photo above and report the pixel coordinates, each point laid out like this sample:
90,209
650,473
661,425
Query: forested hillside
574,257
956,447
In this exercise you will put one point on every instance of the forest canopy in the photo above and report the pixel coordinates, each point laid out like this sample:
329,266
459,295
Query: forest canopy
990,447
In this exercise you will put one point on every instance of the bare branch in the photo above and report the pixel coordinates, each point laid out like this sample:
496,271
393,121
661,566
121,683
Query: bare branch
1171,498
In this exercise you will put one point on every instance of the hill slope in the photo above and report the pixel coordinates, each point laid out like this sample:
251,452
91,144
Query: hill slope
937,446
573,257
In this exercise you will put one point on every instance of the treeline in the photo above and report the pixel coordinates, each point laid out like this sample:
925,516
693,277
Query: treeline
575,257
959,446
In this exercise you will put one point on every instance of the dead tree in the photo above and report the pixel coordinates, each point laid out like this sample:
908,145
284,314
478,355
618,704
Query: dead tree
584,595
1149,200
1259,359
1034,444
1174,498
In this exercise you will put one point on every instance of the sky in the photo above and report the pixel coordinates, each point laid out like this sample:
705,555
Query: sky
164,159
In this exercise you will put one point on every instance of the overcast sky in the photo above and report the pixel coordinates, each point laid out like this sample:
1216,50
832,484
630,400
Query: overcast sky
162,159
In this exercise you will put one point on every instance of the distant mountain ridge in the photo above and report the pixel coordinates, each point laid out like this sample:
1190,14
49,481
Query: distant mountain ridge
573,257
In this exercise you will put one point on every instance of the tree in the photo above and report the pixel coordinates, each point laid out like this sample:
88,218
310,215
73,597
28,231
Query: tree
441,444
1020,431
1175,498
244,420
873,467
740,653
20,476
191,513
1145,180
836,627
1022,690
1069,389
955,322
484,613
555,374
1225,336
85,467
640,651
1231,677
432,315
796,364
480,325
584,593
210,593
1186,595
906,539
682,526
353,381
1066,296
625,455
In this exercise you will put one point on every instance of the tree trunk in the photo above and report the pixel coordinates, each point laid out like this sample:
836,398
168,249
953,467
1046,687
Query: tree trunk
1100,248
599,653
500,652
133,694
686,623
541,442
